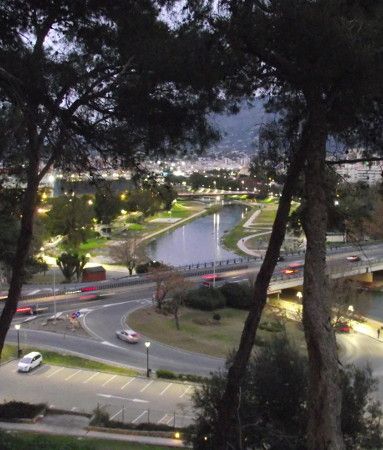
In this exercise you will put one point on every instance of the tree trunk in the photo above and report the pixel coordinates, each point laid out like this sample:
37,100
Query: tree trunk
22,249
225,435
324,429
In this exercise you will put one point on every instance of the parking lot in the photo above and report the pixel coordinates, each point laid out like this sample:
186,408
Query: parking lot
127,399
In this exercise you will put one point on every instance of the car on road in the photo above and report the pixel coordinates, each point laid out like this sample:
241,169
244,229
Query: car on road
293,268
353,258
29,362
128,335
342,327
30,309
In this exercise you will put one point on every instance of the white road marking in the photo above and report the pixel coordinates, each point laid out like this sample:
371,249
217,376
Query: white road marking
115,415
73,374
127,383
185,392
110,379
167,387
139,417
110,344
54,372
135,400
146,386
92,376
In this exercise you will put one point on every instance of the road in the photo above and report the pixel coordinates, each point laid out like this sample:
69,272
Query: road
128,399
105,316
102,318
362,350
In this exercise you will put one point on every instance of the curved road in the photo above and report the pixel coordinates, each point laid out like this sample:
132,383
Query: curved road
102,323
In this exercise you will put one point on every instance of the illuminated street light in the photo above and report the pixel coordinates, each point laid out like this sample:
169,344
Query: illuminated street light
299,295
147,345
17,328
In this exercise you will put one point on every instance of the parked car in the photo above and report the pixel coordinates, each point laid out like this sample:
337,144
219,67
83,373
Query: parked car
128,335
353,258
29,362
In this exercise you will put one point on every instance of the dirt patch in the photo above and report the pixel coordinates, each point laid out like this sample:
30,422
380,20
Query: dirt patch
64,324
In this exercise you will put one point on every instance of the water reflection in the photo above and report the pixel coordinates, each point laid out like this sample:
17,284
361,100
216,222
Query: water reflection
197,241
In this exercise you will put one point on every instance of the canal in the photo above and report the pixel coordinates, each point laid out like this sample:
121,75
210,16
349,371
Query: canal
197,241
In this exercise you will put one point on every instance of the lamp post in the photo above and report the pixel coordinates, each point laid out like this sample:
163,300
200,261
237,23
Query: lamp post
147,345
17,328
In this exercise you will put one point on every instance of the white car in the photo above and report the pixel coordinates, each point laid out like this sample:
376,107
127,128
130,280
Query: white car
128,335
29,362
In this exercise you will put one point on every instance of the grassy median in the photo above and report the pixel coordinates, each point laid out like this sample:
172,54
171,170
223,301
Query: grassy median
58,359
200,332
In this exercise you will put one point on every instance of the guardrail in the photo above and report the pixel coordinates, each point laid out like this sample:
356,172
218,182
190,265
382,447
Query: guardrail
203,268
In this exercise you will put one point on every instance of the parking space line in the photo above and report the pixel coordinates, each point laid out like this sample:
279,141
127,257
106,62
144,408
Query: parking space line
162,418
127,383
117,413
54,372
110,379
73,374
167,387
92,376
139,417
146,386
185,392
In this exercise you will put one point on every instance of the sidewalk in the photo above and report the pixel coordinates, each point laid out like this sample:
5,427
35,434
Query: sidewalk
369,327
41,427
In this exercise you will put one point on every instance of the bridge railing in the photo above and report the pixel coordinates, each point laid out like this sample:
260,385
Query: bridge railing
203,268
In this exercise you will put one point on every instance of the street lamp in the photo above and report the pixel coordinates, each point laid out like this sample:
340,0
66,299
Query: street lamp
147,345
17,328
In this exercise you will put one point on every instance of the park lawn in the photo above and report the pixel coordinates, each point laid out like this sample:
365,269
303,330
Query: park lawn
36,441
231,238
267,215
9,352
58,359
199,332
92,244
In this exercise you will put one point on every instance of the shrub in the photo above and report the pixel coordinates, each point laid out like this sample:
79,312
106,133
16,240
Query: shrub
144,267
205,299
163,373
20,410
100,417
237,295
273,327
217,317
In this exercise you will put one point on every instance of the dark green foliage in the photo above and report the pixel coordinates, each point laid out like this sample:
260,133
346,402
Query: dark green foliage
70,216
271,326
144,268
100,417
107,204
144,201
237,295
163,373
273,403
217,317
71,264
170,375
205,299
20,410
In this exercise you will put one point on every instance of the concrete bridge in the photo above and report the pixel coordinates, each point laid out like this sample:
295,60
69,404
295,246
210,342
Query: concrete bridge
358,270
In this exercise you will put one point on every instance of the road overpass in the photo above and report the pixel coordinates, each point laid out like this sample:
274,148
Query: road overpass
360,270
